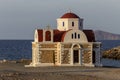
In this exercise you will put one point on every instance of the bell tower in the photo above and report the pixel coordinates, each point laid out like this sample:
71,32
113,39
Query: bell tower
69,21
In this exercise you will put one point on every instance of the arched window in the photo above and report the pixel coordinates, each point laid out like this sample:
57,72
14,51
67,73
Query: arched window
78,36
47,36
75,35
63,24
73,24
72,36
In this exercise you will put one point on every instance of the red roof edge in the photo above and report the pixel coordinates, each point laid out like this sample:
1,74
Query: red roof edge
58,35
90,35
70,15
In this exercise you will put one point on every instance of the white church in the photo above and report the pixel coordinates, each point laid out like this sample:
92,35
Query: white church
68,45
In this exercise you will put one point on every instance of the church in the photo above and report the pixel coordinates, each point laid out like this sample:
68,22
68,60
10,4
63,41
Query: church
68,45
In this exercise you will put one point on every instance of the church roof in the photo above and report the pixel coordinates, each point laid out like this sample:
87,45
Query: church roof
69,15
58,36
90,35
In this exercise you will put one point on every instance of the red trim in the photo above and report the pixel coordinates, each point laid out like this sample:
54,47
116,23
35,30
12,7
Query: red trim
90,35
47,36
58,36
40,35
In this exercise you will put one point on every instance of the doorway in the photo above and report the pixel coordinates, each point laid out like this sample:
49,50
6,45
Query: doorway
75,56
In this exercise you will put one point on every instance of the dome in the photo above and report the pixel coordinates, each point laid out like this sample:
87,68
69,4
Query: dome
70,15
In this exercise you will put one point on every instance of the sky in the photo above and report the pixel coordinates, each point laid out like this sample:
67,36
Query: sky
20,18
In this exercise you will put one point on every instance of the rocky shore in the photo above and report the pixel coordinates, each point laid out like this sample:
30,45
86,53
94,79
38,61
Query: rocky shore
113,53
10,70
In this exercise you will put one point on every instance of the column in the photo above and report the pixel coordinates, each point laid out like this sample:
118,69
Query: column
80,56
71,56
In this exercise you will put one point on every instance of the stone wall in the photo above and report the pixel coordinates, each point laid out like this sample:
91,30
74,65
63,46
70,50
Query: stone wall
66,57
96,46
34,45
85,45
86,56
47,56
67,45
47,46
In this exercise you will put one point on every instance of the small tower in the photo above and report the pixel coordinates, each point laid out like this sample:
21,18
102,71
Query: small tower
69,21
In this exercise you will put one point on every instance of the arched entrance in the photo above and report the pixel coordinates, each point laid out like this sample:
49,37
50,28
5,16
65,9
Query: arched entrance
76,54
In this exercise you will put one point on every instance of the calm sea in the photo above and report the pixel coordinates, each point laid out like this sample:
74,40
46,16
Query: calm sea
108,44
22,49
15,49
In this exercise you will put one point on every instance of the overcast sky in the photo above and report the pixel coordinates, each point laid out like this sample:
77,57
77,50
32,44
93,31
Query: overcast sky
19,18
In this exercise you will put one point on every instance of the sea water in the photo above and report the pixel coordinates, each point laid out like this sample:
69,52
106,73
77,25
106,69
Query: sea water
15,49
108,44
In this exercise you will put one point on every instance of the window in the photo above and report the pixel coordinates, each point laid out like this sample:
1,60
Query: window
72,36
72,23
93,57
75,35
47,36
63,24
80,23
78,36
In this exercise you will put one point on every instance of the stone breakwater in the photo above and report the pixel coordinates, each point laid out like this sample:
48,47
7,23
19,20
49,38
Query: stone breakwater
113,53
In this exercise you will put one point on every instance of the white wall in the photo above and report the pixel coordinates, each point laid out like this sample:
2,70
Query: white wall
36,36
68,36
67,24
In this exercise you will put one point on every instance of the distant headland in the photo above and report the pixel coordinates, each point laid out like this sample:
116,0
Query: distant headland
103,35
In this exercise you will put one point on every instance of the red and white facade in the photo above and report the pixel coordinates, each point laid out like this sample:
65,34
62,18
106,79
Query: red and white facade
68,45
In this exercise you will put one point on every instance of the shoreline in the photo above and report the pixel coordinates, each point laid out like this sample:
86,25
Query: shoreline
17,71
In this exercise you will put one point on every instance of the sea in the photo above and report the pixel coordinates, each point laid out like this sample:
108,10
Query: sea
15,49
22,49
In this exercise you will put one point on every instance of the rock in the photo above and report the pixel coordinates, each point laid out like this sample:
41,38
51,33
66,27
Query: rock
113,53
